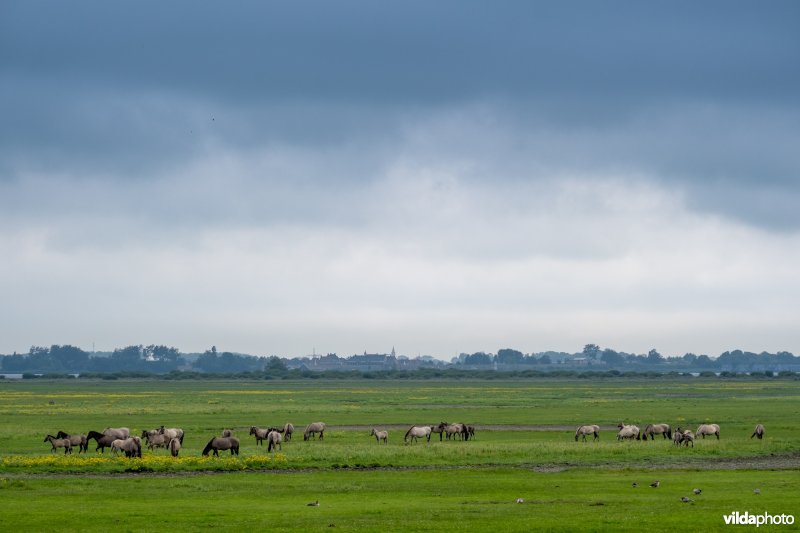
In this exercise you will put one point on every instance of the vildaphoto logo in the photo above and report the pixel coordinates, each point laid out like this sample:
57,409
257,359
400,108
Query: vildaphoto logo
746,519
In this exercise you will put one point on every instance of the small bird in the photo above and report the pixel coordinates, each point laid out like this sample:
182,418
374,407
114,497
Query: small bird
757,491
520,500
697,491
655,484
635,484
684,499
313,504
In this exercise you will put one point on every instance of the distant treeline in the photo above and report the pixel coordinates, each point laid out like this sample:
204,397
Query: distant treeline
135,361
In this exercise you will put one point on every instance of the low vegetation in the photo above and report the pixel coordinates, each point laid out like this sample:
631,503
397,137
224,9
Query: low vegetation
524,449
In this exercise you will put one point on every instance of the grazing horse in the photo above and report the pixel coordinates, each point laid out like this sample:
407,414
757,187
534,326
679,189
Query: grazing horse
470,431
587,430
274,438
117,433
312,430
260,434
708,429
758,432
132,446
76,440
415,432
627,432
683,437
174,446
59,443
103,441
380,436
657,429
222,443
288,429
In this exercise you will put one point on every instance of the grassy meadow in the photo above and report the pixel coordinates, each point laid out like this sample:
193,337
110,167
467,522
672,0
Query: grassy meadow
524,448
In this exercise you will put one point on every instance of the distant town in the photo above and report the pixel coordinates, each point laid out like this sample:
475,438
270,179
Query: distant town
158,359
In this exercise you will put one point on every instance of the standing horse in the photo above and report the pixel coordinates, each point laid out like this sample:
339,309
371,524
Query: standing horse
59,443
758,432
171,433
657,429
312,430
439,429
260,434
380,436
159,440
288,429
587,430
708,429
174,447
117,433
454,429
470,431
103,441
132,446
76,440
627,432
222,443
415,432
274,439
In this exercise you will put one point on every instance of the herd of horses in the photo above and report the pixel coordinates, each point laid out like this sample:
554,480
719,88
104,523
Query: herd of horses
451,431
679,437
120,439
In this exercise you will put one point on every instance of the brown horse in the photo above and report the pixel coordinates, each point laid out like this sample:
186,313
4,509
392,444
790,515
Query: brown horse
222,443
103,441
288,429
657,429
174,446
59,443
76,440
274,439
312,430
260,434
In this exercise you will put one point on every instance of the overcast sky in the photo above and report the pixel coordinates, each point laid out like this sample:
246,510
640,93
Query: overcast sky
438,177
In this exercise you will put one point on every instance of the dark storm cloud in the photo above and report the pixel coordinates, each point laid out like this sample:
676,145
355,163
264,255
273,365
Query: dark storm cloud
418,51
702,97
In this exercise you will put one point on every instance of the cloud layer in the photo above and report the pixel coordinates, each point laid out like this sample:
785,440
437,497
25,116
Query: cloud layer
277,179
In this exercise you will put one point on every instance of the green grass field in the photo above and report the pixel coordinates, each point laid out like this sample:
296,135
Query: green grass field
524,448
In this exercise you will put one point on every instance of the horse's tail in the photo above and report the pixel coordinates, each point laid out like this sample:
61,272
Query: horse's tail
405,438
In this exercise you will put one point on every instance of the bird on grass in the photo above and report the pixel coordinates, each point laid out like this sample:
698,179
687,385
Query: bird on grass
520,500
313,504
757,491
655,484
635,484
684,499
697,491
